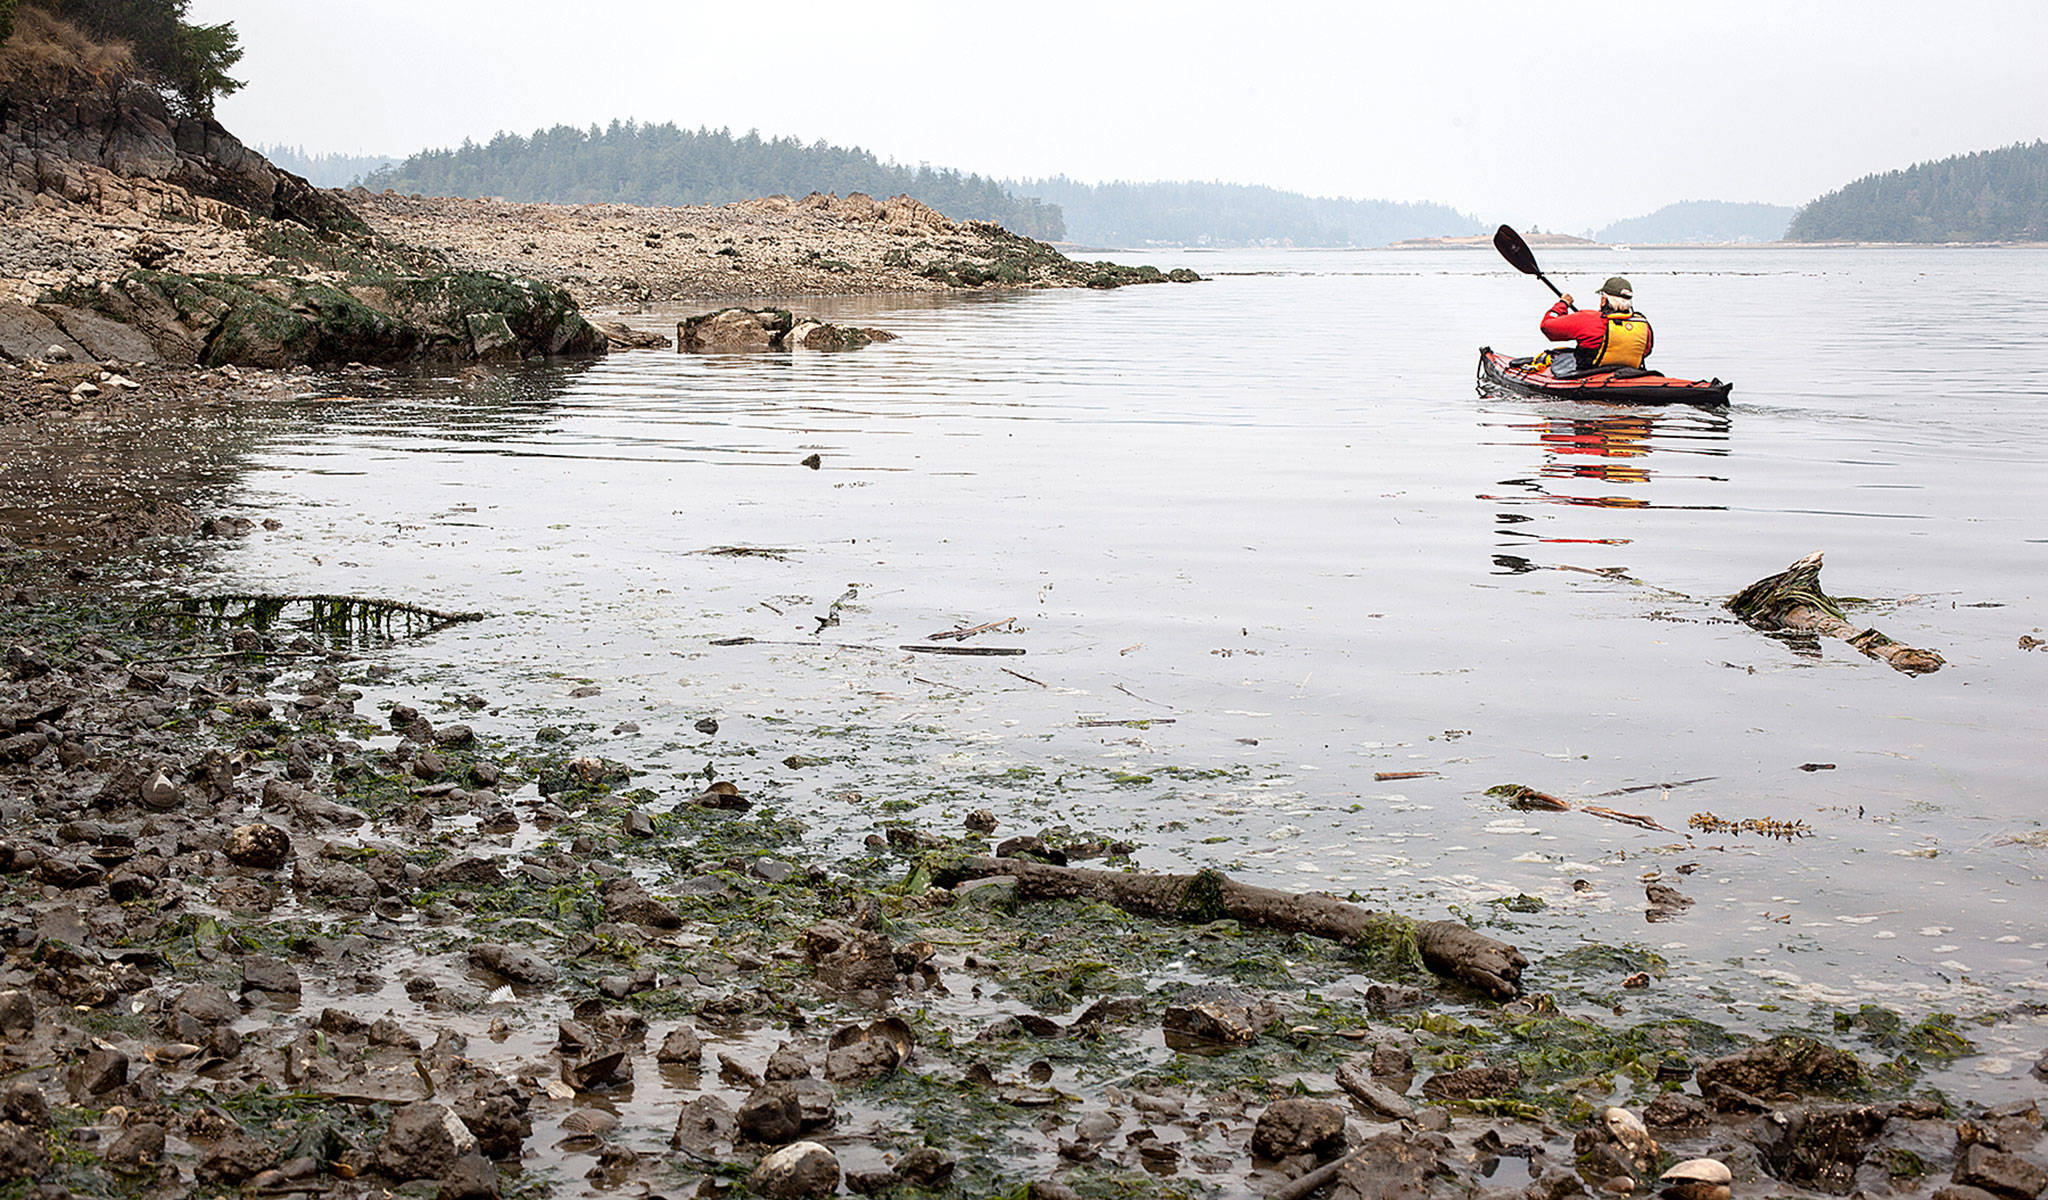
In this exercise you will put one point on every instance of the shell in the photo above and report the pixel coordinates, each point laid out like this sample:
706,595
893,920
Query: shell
1700,1170
1629,1132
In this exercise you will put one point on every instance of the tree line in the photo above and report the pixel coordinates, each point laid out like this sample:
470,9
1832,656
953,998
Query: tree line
1703,221
631,163
1190,213
1990,196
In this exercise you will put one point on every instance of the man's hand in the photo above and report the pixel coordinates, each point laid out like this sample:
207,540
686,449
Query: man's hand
1566,300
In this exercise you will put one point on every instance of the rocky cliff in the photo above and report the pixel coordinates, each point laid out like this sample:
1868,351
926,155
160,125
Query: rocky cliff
130,231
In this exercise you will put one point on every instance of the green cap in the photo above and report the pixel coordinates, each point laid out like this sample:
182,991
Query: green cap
1617,286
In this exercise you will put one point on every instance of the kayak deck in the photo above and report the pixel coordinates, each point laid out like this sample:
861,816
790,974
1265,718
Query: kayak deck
1532,377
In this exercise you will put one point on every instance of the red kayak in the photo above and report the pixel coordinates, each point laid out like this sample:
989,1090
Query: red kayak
1615,385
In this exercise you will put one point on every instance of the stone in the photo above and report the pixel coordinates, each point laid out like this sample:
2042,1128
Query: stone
140,1145
24,1152
17,1012
625,901
98,1072
1472,1083
1392,1166
618,987
1786,1065
258,845
106,340
2006,1175
206,1005
773,1115
235,1157
1214,1012
1819,1146
801,1171
25,1104
491,338
732,329
513,963
682,1046
926,1167
262,973
26,333
787,1062
423,1141
471,1177
704,1126
1678,1111
1290,1127
848,958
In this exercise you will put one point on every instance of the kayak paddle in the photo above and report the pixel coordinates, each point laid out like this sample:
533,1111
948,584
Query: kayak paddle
1519,256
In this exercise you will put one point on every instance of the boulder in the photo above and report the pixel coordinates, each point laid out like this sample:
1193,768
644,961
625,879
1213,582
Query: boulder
1393,1166
1214,1012
423,1141
1791,1065
24,1152
848,958
682,1046
513,963
1995,1171
1291,1127
1472,1083
704,1126
26,333
237,1156
733,329
800,1171
257,845
105,339
1818,1147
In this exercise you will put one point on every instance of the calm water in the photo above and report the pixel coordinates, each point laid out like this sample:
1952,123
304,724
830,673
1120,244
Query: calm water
1269,515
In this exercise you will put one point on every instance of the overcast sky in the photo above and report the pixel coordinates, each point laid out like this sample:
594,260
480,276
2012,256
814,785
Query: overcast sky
1565,115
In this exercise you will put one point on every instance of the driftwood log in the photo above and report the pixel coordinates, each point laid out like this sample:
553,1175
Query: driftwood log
1446,947
1792,599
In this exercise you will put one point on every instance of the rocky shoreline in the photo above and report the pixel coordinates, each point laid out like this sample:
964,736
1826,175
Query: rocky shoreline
280,921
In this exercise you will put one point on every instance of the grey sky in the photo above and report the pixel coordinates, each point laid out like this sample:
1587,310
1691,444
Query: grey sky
1565,116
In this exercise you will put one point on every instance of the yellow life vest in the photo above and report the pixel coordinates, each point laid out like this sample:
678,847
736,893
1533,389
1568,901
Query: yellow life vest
1628,341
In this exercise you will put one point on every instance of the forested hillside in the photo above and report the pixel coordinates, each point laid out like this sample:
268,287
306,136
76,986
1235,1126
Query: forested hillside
630,163
1703,221
1989,196
1231,214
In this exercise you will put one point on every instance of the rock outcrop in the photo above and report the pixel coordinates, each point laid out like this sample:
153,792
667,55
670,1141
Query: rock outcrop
133,232
730,329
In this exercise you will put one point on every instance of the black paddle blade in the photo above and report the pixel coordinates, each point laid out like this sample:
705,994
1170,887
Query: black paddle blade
1516,251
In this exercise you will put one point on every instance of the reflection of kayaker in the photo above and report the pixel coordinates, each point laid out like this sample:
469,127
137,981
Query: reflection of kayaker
1614,336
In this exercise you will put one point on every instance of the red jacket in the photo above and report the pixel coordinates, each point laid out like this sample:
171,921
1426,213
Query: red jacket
1586,327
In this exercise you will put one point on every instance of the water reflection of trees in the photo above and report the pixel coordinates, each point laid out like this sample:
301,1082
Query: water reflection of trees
1598,461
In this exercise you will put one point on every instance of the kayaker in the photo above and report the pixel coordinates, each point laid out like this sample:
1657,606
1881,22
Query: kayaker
1615,336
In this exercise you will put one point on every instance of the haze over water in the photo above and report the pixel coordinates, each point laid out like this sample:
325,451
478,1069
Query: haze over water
1269,516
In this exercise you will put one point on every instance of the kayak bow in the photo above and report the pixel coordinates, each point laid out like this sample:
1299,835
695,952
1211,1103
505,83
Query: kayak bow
1616,385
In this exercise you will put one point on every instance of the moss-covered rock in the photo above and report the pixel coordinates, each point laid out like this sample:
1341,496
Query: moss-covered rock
278,321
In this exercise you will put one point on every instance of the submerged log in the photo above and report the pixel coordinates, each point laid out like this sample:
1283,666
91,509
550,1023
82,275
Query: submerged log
1445,947
1792,599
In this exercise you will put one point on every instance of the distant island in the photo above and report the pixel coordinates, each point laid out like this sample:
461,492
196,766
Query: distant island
1191,213
1702,221
1989,196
